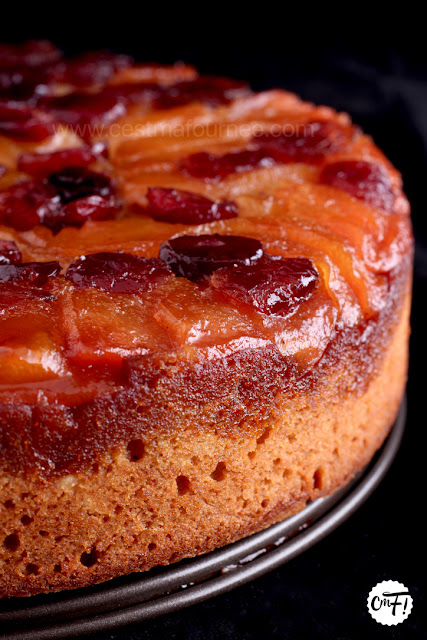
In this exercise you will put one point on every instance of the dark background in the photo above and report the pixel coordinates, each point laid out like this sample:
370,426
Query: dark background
371,61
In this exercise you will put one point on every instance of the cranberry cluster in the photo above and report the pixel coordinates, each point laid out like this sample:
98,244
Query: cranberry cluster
31,110
309,143
67,197
236,266
239,268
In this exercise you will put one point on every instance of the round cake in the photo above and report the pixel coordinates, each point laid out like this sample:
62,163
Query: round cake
204,312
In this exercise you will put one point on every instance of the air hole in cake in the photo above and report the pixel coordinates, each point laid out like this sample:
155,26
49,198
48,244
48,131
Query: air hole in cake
43,534
135,450
220,472
174,557
277,461
263,437
286,474
245,504
26,520
152,546
57,568
106,519
89,559
183,484
251,455
118,509
336,453
319,478
32,569
12,542
195,460
264,503
9,504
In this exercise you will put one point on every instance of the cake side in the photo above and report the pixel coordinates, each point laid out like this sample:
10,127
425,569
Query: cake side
120,514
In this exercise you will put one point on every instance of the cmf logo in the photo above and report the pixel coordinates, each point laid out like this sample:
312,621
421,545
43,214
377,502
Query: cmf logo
389,602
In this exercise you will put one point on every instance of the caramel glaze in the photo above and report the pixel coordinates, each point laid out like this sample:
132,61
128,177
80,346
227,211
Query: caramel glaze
170,393
74,407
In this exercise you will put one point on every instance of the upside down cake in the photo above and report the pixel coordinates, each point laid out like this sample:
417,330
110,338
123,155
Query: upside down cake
204,301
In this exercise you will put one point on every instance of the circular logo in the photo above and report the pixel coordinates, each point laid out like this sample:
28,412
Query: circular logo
389,602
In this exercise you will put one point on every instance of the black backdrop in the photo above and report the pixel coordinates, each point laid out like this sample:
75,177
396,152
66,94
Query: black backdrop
371,62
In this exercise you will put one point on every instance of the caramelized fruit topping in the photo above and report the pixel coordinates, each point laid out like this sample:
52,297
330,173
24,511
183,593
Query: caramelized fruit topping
25,204
117,273
194,257
73,183
9,252
173,205
364,180
273,286
207,166
211,90
66,198
93,67
23,83
22,122
309,143
131,93
40,165
77,212
35,274
85,109
32,53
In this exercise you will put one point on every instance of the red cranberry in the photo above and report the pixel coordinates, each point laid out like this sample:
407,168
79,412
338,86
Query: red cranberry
32,53
272,286
207,166
77,212
118,272
194,257
22,122
43,164
23,84
26,204
132,93
309,143
173,205
209,89
9,252
73,183
364,180
83,110
35,274
92,67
